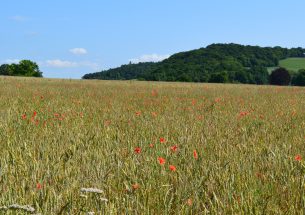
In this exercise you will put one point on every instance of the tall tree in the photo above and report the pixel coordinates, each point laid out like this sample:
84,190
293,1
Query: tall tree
299,78
28,68
280,76
6,69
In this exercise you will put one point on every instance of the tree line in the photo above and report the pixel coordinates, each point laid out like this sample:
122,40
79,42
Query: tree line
23,68
217,63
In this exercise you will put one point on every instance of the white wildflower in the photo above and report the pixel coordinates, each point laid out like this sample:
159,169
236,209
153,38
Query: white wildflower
91,190
21,207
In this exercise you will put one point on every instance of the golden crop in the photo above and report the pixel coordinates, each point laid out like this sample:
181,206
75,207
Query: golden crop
128,147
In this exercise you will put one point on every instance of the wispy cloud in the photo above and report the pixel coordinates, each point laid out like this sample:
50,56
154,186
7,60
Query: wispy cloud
71,64
10,61
78,51
19,18
149,58
61,63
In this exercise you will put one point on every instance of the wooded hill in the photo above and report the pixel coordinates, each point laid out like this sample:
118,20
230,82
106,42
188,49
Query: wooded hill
217,63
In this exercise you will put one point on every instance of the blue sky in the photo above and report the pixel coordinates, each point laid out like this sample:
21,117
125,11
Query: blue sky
71,38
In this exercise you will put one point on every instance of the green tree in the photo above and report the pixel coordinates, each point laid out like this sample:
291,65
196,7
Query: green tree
6,69
27,68
280,76
241,77
220,77
260,75
299,78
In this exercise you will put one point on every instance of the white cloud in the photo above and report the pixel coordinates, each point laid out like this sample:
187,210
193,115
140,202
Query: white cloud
10,61
78,51
61,63
149,58
71,64
19,18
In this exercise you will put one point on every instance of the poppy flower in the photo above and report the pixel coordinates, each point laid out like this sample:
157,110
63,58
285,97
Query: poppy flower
151,145
34,114
174,148
154,114
135,186
138,113
161,161
243,113
298,158
162,140
154,92
137,150
39,186
189,202
195,154
172,168
23,116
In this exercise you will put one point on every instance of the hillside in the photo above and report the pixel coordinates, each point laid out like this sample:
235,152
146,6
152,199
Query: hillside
293,64
216,63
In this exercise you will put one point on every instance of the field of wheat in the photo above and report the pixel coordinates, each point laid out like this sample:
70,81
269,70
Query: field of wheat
127,147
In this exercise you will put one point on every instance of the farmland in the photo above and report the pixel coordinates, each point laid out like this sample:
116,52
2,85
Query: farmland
151,148
293,64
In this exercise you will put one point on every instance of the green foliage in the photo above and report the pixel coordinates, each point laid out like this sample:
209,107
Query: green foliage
293,64
215,63
280,76
259,75
299,78
220,77
23,68
125,72
6,69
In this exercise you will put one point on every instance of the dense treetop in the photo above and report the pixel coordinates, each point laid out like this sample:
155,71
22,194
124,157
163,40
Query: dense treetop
217,63
23,68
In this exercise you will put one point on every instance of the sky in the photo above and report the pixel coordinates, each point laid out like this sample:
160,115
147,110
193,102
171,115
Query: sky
69,38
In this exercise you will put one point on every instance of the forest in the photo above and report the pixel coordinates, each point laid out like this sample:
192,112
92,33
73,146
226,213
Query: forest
217,63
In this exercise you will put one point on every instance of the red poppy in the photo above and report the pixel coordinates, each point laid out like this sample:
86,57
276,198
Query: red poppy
172,168
138,113
23,116
189,202
39,186
34,114
298,158
135,186
243,113
217,100
174,148
162,140
195,154
154,92
154,114
161,161
151,145
137,150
